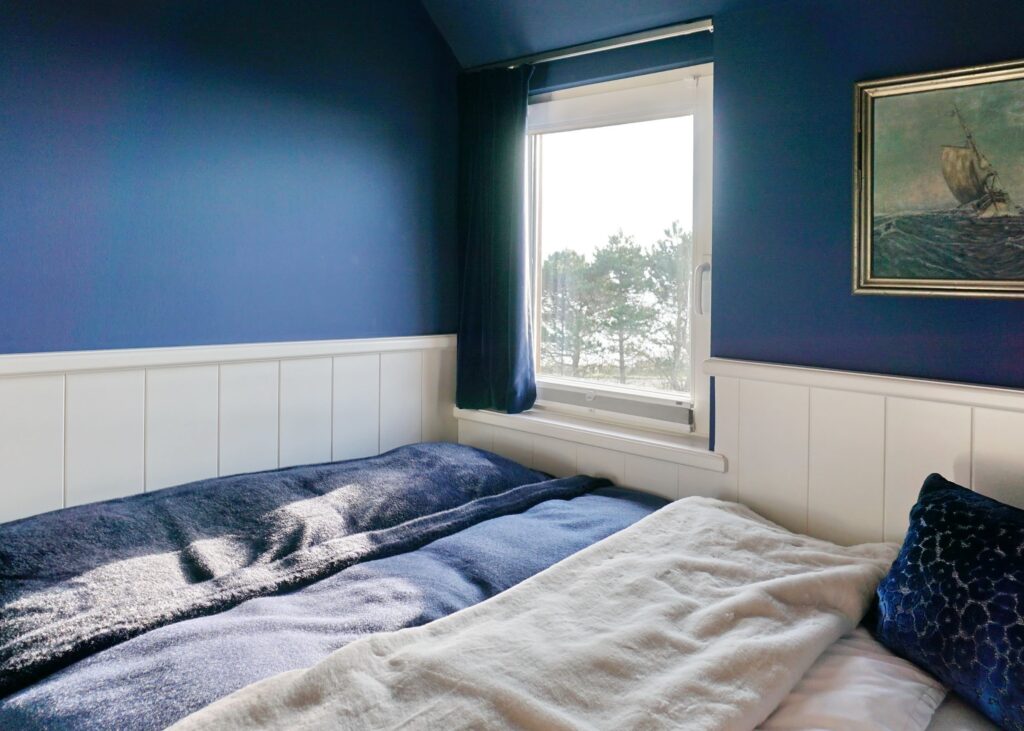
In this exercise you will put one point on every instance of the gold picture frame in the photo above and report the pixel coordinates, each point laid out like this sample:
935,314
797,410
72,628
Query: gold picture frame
938,179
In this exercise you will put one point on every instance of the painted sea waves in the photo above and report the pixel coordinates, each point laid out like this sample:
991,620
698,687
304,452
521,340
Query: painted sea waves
954,244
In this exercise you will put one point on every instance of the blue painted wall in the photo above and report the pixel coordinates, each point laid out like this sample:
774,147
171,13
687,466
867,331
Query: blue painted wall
213,172
784,74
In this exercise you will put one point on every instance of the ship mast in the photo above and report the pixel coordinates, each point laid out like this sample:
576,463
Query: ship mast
992,176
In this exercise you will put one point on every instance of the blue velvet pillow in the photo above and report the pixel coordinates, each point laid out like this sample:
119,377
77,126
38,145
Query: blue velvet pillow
953,601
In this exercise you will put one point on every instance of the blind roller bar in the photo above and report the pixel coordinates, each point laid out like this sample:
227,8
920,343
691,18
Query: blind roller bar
607,44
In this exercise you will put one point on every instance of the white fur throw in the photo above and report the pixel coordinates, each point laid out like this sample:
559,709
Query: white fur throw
701,616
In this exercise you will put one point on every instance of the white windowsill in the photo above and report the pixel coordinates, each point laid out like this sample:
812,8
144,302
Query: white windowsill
681,449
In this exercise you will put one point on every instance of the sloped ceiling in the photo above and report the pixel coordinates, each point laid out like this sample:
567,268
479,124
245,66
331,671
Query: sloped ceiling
483,31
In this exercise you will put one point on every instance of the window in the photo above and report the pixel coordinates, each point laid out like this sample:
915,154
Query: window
620,202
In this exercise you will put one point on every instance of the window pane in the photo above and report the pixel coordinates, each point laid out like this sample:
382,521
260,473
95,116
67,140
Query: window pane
616,242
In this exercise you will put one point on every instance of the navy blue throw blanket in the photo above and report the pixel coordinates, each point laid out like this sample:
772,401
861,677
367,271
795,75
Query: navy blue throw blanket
158,678
75,581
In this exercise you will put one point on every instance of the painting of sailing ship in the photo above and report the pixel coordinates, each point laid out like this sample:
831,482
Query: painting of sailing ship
941,185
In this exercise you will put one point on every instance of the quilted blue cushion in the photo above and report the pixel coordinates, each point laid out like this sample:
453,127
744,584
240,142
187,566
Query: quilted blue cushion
953,601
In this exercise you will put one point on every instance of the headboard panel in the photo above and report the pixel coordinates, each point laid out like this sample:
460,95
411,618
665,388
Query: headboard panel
80,427
842,455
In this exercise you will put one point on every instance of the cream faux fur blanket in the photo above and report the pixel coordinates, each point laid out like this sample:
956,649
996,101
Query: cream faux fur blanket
701,616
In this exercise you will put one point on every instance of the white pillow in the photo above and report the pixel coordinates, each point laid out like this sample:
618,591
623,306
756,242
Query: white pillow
858,684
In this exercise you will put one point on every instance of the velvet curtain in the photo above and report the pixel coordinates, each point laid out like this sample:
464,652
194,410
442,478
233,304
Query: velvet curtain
495,350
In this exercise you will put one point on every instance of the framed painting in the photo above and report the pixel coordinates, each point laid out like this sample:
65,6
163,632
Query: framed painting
939,183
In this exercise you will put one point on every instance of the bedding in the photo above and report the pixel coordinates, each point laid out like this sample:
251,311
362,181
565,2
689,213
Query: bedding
955,715
858,685
953,601
75,581
700,616
157,678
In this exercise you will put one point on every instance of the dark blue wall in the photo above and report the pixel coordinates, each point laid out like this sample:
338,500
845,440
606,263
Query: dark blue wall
784,75
197,172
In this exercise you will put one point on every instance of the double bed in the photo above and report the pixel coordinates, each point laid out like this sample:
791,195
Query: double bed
475,584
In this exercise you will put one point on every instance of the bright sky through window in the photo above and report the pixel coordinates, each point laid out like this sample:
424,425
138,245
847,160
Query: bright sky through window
637,177
616,253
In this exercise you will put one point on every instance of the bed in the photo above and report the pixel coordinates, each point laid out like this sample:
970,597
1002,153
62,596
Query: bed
207,604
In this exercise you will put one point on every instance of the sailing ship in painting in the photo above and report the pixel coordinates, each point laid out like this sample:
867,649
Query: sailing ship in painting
971,178
980,239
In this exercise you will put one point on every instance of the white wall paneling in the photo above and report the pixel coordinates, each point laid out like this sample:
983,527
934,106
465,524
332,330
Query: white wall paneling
838,455
871,440
599,462
356,406
306,411
476,435
105,431
999,455
249,409
921,437
515,445
772,451
652,475
555,456
439,424
401,399
79,427
846,466
181,425
31,445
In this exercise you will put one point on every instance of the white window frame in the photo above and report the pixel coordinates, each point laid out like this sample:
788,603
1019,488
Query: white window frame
680,92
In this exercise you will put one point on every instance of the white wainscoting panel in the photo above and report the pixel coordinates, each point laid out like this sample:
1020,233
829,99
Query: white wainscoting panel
598,462
555,456
845,497
476,435
181,425
652,475
105,450
401,399
31,445
772,451
306,411
921,437
249,408
515,445
356,406
999,455
439,423
872,441
85,426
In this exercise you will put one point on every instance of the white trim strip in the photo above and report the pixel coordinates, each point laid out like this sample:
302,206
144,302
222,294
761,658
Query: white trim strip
684,450
900,386
21,364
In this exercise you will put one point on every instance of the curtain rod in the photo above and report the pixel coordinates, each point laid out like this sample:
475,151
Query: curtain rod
631,39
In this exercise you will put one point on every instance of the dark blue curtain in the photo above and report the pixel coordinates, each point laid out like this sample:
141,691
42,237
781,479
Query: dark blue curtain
495,355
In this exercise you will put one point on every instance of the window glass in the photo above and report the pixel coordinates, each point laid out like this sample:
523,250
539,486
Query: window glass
614,222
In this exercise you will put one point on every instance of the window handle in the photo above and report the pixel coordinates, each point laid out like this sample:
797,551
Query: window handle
698,286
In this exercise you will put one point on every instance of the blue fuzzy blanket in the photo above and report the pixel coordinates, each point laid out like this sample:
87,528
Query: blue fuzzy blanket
158,678
76,581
